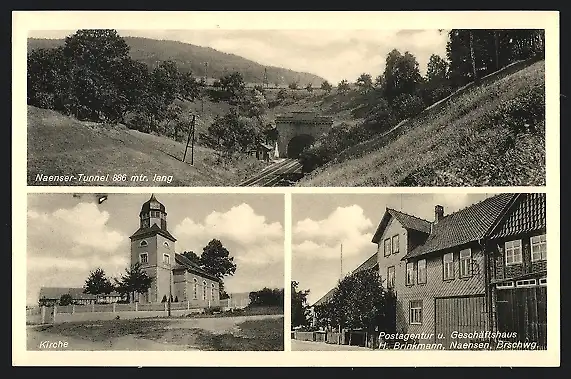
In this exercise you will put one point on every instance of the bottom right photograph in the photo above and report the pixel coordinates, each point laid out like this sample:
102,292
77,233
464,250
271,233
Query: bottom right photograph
446,271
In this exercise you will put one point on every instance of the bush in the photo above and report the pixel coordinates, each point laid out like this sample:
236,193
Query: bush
523,114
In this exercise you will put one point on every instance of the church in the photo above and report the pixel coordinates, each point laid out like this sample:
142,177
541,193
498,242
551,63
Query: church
173,274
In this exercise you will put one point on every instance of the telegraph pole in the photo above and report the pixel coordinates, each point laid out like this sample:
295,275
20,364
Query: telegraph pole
190,140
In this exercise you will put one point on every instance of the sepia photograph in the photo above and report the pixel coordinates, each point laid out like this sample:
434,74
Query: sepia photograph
419,272
289,107
155,272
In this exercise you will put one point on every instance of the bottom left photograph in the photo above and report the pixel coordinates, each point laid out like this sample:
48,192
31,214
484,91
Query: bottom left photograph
155,272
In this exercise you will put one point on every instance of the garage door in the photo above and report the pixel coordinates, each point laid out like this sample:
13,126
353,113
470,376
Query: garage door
458,314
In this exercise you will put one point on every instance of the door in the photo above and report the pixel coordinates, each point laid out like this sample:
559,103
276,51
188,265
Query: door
458,315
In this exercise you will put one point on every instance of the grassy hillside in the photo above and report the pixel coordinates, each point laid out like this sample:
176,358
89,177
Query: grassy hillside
193,58
60,145
461,142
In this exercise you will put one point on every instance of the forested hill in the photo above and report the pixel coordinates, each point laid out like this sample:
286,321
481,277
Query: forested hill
193,58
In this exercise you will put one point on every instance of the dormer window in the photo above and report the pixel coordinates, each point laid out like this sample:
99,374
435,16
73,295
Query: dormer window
143,243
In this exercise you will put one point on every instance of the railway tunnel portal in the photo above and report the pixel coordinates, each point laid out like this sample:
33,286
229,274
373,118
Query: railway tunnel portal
298,130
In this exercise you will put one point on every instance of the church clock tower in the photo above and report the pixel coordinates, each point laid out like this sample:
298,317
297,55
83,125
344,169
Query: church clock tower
154,248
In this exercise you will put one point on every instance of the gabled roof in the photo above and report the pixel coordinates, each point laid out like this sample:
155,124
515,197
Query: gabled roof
407,221
154,229
528,214
75,292
187,264
467,225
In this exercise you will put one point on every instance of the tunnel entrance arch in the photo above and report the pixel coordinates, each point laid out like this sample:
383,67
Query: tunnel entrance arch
299,143
298,130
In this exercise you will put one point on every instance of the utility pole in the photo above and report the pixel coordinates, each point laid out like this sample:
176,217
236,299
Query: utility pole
170,290
190,140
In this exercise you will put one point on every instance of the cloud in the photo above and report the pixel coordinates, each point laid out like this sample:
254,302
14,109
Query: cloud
250,237
64,245
322,238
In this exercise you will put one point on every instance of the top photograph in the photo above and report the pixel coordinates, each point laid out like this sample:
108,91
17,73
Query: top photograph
286,108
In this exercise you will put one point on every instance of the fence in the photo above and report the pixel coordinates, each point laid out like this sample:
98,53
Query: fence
56,313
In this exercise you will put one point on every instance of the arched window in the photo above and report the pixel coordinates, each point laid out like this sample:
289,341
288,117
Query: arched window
166,244
204,290
195,288
143,243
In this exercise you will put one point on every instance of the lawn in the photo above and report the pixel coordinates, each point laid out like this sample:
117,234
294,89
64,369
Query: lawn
252,333
61,145
458,143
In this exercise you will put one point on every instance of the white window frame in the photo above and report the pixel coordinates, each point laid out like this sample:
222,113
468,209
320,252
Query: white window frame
465,263
195,288
146,255
516,252
143,243
505,285
166,261
409,273
537,243
385,245
204,290
415,312
395,247
391,283
542,282
421,276
526,283
448,267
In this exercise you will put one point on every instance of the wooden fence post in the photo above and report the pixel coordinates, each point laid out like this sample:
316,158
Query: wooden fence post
188,305
136,307
114,304
73,309
92,307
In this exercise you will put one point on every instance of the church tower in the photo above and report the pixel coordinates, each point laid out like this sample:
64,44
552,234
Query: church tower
154,248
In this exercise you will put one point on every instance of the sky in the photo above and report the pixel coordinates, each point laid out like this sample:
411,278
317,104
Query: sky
70,235
332,54
322,222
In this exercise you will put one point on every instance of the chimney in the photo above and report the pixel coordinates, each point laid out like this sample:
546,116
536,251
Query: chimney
438,213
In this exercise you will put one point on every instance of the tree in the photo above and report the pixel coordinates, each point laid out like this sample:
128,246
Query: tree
233,88
364,83
191,256
401,75
326,86
97,283
293,85
231,133
343,87
309,87
135,280
437,69
216,259
65,299
299,309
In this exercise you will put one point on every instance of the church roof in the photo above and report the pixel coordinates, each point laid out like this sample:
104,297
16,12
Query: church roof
154,229
147,204
189,265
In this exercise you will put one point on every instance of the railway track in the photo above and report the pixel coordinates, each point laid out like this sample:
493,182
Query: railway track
275,174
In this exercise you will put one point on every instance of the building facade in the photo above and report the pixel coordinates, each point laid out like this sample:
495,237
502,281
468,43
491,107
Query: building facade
482,268
174,276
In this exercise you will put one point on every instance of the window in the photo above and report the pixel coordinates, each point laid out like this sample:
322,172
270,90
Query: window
538,248
387,247
505,285
526,283
395,244
166,244
415,312
410,274
166,259
144,258
212,291
448,266
465,263
543,281
421,271
195,289
204,290
143,243
391,277
513,252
